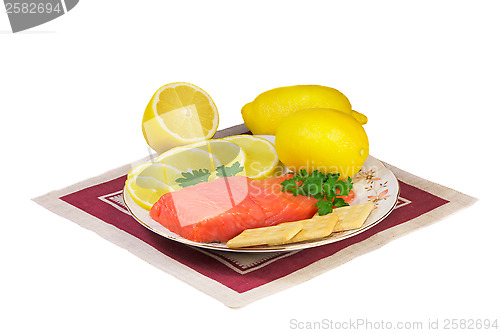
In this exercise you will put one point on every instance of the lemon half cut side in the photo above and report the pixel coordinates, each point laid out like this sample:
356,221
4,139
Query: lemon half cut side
178,114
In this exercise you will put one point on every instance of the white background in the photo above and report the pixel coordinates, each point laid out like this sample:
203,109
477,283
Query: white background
72,94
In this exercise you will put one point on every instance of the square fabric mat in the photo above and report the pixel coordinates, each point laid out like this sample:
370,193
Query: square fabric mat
237,279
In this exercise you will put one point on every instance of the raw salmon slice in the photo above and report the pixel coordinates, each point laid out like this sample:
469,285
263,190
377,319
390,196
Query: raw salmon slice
222,209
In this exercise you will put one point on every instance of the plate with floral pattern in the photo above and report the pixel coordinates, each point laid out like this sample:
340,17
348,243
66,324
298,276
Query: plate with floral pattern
373,183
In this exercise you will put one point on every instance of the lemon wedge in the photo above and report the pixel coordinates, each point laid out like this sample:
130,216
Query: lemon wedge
261,157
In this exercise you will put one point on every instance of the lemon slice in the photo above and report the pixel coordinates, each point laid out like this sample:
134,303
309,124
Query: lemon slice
147,182
159,176
179,114
226,153
187,159
261,157
144,197
137,169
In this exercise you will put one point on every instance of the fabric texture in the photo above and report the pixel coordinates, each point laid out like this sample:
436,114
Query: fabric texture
237,279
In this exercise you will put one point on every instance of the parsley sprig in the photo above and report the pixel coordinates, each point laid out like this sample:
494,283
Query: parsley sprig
324,188
201,175
194,177
233,170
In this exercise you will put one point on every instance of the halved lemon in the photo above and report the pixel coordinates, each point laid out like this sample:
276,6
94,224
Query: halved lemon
178,114
147,182
261,157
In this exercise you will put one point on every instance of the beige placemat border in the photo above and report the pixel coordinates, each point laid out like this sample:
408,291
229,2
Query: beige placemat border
215,289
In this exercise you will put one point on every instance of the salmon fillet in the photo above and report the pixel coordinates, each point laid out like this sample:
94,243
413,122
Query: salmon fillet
222,209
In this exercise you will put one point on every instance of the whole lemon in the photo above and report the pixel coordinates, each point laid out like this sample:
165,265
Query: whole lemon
322,139
265,113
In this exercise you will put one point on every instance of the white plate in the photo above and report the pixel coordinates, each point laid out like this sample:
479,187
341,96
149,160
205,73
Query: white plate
374,183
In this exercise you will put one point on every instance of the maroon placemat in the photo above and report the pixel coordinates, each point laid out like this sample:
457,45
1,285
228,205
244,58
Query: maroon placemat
237,279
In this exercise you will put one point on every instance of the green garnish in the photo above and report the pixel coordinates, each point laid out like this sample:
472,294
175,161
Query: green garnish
324,188
201,175
192,178
223,171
